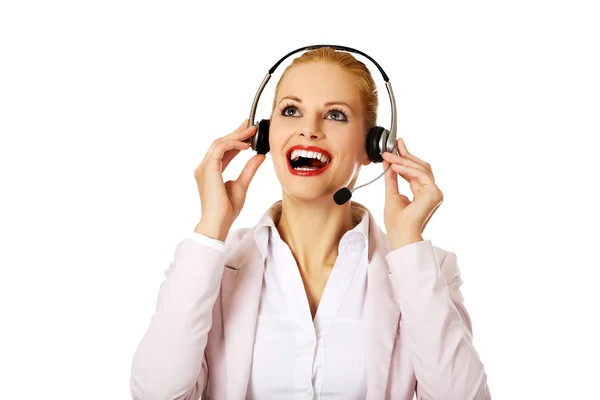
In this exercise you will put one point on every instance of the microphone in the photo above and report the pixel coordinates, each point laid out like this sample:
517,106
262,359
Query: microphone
344,194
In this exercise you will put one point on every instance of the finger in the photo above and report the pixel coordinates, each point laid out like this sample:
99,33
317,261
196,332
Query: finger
403,151
412,175
391,180
420,183
250,170
395,159
240,128
227,157
218,149
241,134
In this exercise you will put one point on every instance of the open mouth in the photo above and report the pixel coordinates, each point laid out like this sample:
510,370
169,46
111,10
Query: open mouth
308,162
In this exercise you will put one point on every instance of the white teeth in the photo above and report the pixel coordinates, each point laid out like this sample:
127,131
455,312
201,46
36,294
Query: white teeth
309,154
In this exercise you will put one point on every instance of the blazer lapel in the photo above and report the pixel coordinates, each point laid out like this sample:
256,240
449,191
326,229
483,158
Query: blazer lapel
382,316
241,287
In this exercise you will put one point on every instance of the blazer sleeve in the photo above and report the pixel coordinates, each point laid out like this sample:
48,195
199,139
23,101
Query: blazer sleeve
169,362
437,324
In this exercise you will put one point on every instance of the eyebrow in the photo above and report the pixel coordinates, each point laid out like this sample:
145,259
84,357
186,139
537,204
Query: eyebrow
329,103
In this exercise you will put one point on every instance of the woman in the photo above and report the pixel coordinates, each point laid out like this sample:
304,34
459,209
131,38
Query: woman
315,301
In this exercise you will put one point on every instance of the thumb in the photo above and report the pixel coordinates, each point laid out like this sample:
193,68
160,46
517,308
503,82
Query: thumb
250,170
391,180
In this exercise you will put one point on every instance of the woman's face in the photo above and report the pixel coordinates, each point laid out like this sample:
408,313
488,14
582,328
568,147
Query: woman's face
318,108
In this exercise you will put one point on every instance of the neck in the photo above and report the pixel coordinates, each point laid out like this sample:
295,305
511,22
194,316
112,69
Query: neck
313,230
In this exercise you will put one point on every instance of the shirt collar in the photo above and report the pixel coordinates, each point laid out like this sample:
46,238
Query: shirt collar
265,230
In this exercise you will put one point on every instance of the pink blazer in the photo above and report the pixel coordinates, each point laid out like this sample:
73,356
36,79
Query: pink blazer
201,337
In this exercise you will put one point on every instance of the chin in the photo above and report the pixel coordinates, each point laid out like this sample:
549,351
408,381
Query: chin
307,195
309,188
301,189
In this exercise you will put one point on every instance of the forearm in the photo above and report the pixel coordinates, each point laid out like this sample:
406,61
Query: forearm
169,357
437,324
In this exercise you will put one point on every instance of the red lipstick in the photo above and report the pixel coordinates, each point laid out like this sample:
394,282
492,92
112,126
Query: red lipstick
311,172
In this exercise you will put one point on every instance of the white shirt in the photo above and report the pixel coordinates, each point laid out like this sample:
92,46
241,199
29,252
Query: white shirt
298,358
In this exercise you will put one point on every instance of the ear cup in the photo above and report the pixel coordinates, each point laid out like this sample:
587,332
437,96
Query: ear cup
262,137
373,140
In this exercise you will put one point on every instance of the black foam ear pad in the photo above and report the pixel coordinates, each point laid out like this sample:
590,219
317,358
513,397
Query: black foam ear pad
262,137
373,140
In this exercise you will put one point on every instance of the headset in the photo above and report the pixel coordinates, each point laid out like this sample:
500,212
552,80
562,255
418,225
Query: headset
378,140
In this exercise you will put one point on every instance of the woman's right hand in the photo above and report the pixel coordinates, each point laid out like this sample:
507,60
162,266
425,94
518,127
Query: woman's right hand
221,201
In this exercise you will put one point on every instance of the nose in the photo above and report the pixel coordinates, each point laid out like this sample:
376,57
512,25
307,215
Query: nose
312,131
311,135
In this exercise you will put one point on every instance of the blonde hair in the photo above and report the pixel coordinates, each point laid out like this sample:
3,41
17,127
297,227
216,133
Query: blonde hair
357,69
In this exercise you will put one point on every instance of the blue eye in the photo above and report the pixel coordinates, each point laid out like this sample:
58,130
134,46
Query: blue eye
290,110
338,115
286,111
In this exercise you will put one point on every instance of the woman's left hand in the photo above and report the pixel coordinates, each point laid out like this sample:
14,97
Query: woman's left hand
404,220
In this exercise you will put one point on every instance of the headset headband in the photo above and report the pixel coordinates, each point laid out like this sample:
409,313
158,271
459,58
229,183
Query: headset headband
388,84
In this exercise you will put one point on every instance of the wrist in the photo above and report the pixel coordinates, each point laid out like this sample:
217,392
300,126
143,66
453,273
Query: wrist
212,230
401,239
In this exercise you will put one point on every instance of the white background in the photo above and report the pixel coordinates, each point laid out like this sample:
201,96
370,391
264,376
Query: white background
106,109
